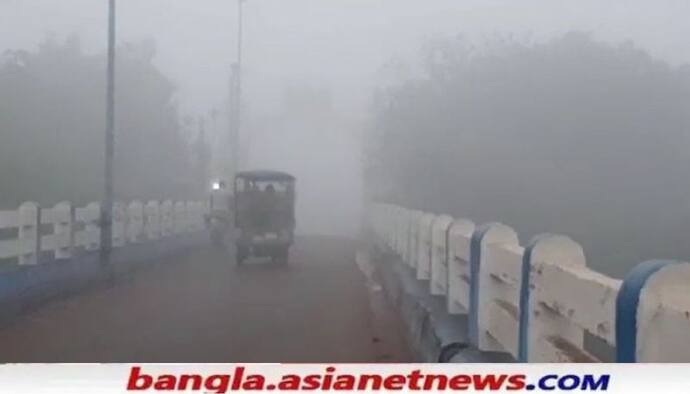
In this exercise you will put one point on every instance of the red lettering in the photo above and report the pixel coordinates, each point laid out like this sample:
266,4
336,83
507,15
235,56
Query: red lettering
289,382
494,382
165,383
311,382
364,380
138,380
516,382
344,383
394,382
217,383
254,382
414,378
195,380
460,382
429,381
237,379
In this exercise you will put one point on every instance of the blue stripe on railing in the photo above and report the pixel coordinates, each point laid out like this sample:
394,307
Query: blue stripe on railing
475,263
627,304
523,334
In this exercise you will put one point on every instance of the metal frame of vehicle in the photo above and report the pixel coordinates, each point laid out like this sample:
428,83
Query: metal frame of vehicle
250,241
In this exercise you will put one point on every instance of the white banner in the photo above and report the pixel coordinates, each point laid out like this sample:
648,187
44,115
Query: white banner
344,378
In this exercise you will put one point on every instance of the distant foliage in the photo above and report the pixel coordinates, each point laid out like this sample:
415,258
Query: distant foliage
52,121
571,136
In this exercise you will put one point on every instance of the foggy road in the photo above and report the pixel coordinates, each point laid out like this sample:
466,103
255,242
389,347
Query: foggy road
204,308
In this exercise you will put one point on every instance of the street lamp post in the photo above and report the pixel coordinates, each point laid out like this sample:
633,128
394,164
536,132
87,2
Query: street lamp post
240,23
236,92
107,205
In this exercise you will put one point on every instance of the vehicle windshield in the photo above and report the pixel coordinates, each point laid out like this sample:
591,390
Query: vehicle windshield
246,185
264,205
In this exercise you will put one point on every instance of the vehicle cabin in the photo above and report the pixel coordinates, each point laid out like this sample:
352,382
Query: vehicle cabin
264,201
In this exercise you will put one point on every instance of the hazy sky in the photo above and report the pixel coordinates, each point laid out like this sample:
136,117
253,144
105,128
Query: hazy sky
330,42
338,45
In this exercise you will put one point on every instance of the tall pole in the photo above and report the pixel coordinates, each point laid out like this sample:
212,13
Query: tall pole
107,205
236,93
240,22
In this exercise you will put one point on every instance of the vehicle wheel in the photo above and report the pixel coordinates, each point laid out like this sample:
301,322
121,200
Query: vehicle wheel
281,256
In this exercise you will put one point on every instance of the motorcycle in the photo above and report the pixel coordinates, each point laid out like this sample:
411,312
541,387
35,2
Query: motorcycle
219,220
218,227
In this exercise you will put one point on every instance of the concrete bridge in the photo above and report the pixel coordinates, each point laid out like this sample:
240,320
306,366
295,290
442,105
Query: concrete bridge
168,297
421,287
537,301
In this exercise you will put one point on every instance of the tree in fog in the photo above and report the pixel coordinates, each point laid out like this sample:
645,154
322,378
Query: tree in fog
52,125
570,136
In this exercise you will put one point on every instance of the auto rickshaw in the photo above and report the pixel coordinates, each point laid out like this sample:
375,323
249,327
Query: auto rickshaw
264,214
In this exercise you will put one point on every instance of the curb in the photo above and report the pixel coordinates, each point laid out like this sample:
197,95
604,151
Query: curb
433,335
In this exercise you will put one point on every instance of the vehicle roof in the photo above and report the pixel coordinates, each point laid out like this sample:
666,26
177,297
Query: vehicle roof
265,175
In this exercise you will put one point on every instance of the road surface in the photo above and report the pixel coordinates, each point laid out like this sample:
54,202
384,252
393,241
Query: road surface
201,307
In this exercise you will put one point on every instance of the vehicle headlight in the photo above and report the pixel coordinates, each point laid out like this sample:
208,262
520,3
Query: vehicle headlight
216,185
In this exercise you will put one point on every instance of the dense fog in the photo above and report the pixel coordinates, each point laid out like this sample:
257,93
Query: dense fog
570,136
568,117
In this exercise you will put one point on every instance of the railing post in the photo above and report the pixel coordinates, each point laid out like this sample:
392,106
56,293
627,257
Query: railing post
376,212
412,238
483,236
29,233
191,216
544,247
424,246
401,215
92,215
459,239
63,228
438,283
411,252
631,318
400,231
187,221
119,231
166,212
389,227
152,220
180,217
135,222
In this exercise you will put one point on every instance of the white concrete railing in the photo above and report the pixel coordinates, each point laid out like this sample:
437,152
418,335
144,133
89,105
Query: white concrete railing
539,301
63,229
